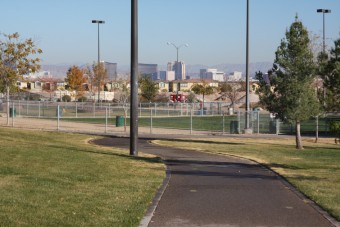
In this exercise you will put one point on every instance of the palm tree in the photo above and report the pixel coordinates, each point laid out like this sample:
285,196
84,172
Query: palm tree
202,88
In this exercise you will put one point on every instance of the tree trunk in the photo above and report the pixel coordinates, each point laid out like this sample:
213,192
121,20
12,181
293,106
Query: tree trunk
298,136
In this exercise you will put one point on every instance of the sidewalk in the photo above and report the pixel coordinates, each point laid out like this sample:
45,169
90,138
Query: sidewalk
212,190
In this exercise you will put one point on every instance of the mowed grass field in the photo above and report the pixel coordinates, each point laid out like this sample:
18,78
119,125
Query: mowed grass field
56,179
315,171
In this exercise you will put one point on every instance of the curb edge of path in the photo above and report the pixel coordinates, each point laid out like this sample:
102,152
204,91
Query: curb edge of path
151,210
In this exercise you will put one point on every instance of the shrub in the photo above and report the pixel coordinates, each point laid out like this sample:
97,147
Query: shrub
82,99
66,98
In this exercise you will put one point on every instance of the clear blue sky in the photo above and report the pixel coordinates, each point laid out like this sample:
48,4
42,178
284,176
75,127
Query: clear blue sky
214,29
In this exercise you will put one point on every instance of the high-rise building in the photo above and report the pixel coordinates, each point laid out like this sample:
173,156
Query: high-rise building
167,75
211,74
111,69
179,68
150,70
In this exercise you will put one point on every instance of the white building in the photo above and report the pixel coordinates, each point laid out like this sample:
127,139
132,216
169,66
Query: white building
179,68
211,74
235,76
167,75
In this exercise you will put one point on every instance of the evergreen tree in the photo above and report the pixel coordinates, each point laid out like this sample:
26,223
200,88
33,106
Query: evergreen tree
330,73
290,94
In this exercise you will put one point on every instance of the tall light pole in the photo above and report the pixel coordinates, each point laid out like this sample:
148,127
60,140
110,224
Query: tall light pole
247,125
323,11
134,80
178,70
98,68
178,47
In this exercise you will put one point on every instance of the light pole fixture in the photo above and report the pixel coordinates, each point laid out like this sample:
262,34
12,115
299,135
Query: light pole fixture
247,125
178,47
323,11
98,22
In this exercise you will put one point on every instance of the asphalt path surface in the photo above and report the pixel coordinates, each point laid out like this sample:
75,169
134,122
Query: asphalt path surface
213,190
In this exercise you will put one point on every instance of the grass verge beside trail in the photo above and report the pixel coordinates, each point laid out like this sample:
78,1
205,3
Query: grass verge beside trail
315,171
56,179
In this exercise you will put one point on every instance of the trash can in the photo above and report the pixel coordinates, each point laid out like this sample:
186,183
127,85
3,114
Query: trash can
12,112
119,121
234,127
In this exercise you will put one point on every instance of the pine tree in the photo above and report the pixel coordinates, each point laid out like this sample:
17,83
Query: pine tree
330,72
290,94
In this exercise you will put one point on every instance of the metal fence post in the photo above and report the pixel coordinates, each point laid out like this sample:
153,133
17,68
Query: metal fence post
27,108
109,110
190,121
222,122
150,121
105,119
155,109
39,110
19,108
94,109
76,110
239,121
58,116
258,122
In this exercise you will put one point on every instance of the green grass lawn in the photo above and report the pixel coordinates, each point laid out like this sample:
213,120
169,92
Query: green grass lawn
315,171
56,179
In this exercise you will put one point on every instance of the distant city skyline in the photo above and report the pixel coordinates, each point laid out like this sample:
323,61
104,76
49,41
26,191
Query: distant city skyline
215,30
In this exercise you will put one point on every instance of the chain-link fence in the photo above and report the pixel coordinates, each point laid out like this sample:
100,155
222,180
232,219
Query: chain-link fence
211,117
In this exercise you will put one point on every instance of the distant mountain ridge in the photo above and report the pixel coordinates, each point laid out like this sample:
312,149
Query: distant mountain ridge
60,70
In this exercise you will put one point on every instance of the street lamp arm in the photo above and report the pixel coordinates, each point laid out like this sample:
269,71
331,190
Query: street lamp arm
178,47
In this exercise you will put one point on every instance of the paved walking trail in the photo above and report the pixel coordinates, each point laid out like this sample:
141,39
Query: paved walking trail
213,190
